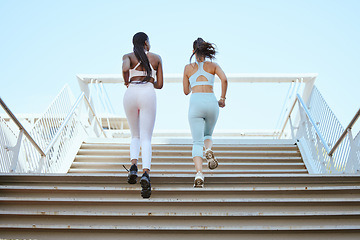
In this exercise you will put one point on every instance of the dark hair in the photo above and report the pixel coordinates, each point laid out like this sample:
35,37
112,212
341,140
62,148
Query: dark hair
139,42
203,49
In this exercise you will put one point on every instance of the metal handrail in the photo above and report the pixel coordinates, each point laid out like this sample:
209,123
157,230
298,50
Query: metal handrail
342,137
287,118
67,119
21,128
302,104
329,151
326,146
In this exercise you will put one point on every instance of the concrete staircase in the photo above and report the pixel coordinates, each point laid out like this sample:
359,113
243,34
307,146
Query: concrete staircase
248,157
261,190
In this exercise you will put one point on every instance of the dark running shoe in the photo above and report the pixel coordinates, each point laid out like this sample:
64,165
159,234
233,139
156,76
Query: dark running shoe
145,185
132,174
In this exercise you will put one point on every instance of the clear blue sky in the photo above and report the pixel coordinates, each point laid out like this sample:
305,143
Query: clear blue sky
44,44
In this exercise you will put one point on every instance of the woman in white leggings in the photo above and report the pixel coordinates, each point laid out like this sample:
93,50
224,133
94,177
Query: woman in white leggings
140,69
204,107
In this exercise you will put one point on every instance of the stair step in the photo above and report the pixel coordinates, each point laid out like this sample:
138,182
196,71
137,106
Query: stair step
87,158
151,223
234,153
188,147
180,235
190,166
111,178
231,206
184,171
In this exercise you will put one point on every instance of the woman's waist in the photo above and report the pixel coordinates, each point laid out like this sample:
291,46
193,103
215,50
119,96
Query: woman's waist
203,96
141,85
202,89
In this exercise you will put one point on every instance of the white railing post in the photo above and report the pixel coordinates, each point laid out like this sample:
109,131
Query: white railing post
292,128
352,163
41,164
16,151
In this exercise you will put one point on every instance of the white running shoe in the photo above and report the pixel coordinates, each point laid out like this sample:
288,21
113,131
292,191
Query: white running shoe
199,180
211,160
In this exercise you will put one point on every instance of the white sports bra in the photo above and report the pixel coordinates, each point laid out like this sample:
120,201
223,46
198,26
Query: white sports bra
136,73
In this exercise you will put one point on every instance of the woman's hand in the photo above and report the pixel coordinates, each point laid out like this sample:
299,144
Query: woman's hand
221,102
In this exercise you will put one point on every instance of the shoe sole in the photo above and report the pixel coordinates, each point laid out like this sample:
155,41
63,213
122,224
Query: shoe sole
210,157
146,193
198,183
146,189
132,178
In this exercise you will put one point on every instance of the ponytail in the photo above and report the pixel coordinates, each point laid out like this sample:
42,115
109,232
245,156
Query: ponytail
139,42
203,49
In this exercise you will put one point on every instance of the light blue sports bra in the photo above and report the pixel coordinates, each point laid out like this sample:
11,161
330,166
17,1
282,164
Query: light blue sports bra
201,72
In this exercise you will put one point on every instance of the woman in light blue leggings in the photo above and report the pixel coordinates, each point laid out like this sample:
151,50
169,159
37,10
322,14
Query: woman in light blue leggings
204,107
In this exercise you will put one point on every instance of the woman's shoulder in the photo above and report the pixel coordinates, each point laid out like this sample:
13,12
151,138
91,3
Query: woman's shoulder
190,66
128,55
211,63
154,55
210,66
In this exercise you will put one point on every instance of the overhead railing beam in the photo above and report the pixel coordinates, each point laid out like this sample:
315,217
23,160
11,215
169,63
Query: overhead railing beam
243,78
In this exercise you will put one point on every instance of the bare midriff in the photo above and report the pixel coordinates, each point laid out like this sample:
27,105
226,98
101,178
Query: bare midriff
141,78
202,89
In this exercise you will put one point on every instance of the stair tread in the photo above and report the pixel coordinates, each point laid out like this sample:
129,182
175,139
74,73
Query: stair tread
184,171
187,200
180,189
182,214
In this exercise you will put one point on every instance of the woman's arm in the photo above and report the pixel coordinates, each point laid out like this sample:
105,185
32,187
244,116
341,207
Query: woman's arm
224,84
186,83
125,69
159,75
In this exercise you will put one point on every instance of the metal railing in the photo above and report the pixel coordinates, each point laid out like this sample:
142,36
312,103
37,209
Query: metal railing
80,122
320,130
60,131
346,131
100,100
29,144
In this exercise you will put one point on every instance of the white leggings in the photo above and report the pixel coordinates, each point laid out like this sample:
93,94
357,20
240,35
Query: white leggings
140,109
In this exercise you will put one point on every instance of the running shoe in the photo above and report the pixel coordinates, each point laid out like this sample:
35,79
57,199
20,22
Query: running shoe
132,177
211,160
145,185
199,180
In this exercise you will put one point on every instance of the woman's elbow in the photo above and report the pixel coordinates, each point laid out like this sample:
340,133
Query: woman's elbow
158,85
186,92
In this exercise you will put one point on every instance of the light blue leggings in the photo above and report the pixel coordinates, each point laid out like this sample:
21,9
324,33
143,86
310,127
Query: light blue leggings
203,114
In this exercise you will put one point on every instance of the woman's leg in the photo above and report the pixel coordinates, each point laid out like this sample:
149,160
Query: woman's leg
196,122
147,121
197,132
132,114
212,114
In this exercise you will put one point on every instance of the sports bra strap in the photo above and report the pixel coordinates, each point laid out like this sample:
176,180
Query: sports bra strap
137,65
201,72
